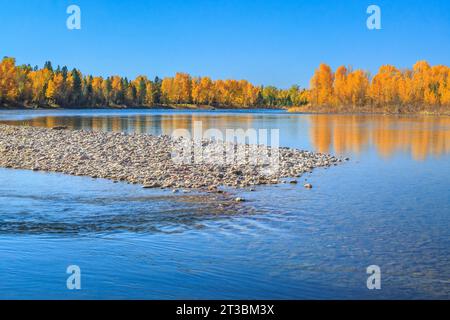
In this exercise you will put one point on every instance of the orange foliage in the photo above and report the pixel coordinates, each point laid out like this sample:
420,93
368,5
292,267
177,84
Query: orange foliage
421,88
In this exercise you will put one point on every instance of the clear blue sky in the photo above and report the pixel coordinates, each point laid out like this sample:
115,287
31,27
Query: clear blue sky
271,42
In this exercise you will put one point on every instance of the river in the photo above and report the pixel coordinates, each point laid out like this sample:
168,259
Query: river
387,206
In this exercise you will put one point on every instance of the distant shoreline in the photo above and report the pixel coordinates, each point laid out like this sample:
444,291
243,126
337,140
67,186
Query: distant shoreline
306,110
125,107
367,110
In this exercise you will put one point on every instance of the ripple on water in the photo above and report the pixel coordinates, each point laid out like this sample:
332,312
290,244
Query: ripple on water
105,207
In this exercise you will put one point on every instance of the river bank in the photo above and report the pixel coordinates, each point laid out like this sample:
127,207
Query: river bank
146,159
194,107
171,106
442,111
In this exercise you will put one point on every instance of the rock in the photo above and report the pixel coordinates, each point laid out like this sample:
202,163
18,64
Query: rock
239,199
293,182
59,128
151,185
308,186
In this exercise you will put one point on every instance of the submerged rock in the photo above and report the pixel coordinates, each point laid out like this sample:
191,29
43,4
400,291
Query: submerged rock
151,185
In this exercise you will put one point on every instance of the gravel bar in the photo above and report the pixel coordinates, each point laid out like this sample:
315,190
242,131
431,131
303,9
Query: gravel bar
144,159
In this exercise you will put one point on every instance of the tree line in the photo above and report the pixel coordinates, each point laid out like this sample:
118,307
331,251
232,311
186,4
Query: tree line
26,86
421,88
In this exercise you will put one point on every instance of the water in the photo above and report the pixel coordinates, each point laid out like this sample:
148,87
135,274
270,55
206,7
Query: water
388,206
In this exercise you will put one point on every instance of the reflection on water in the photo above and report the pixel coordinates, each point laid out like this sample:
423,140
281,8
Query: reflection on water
420,136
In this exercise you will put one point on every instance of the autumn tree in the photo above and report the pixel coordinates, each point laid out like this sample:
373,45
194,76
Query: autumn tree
384,89
9,90
203,91
420,81
167,90
140,84
118,90
270,96
406,90
341,87
23,83
322,86
54,91
298,96
39,81
357,88
182,88
98,97
423,87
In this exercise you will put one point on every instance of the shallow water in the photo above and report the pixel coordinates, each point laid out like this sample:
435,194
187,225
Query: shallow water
388,206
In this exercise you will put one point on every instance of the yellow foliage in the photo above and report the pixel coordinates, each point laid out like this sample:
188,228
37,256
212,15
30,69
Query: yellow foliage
322,86
55,87
39,80
8,85
423,87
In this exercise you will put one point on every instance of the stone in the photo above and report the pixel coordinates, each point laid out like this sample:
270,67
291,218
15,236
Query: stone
59,128
144,159
151,185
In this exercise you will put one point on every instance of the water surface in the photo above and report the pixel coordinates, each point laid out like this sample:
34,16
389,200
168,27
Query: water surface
387,206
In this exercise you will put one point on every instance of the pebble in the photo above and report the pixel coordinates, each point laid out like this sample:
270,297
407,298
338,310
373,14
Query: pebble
145,159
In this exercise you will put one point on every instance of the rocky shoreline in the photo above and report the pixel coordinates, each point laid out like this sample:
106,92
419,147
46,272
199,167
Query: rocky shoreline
143,159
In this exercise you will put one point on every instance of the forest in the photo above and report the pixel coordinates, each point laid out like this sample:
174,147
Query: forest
422,88
58,87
